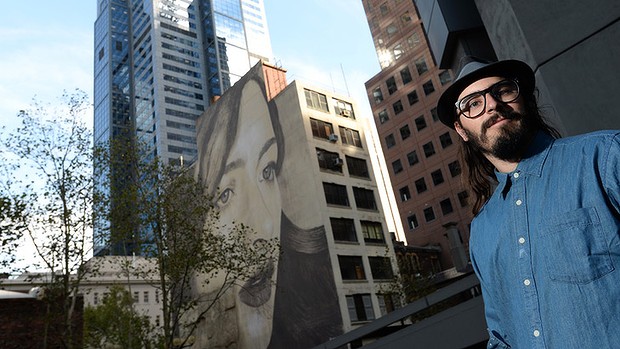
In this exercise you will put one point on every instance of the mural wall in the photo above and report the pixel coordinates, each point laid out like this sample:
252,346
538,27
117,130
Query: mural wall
243,152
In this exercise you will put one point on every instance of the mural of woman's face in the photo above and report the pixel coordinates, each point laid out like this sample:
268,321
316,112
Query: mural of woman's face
249,194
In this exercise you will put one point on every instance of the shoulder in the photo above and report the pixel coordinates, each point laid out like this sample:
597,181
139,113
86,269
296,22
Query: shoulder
589,143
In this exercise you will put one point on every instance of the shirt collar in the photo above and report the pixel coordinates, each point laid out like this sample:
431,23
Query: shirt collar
533,160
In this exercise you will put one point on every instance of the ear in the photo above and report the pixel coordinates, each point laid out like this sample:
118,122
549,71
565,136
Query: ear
459,129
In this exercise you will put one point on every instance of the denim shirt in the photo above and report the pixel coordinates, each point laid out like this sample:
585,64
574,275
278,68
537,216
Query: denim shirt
546,246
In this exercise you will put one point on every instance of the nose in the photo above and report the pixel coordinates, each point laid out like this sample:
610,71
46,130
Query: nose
491,102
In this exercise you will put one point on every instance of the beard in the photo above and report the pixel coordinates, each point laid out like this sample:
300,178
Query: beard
512,140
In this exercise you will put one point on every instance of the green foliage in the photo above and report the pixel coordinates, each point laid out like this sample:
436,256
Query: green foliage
115,323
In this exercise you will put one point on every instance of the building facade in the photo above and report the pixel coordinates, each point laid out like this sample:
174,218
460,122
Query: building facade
297,168
421,153
158,64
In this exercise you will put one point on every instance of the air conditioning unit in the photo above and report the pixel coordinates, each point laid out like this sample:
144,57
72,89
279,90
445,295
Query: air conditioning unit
333,137
346,113
338,162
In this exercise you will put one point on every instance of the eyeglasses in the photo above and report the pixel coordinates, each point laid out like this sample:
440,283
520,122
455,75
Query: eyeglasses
473,105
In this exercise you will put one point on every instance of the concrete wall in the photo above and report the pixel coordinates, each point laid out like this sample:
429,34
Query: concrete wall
573,47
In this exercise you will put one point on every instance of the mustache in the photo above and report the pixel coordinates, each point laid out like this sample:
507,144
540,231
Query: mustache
500,114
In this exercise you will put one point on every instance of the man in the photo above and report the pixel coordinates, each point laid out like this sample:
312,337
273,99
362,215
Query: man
545,241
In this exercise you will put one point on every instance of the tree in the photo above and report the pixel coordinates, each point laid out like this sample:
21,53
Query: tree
47,187
115,323
175,222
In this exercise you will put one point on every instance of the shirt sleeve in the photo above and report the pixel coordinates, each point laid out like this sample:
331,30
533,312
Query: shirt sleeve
612,172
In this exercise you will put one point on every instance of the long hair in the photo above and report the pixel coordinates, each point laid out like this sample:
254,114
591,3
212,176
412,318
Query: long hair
480,172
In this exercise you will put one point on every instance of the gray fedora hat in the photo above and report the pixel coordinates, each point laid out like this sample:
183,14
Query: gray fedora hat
476,70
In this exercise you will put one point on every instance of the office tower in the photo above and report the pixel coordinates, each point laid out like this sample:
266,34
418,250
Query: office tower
158,64
421,153
296,167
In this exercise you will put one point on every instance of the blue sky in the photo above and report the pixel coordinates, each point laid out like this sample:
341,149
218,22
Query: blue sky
47,48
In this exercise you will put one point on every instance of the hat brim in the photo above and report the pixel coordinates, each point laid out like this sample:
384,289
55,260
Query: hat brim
509,69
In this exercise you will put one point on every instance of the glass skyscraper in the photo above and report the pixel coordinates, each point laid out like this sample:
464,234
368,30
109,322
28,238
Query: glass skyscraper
158,64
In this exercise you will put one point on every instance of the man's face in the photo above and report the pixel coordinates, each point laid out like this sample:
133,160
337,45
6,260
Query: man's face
502,130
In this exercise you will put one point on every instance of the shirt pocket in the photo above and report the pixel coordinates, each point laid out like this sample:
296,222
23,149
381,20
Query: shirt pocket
575,247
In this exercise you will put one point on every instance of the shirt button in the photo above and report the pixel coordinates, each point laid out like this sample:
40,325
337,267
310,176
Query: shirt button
516,175
518,202
527,282
536,333
521,240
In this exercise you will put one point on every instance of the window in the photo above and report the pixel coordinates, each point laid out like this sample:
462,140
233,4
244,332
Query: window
321,129
413,40
405,75
445,140
383,8
398,107
391,30
357,167
381,268
420,65
413,97
428,87
405,132
444,77
378,95
383,116
157,320
405,17
136,297
336,194
360,307
463,198
372,232
351,268
429,149
420,185
95,298
455,168
437,177
412,158
387,303
446,206
434,114
329,160
390,141
343,229
420,123
397,51
316,100
350,136
404,192
429,214
156,296
412,221
364,198
397,166
391,85
343,108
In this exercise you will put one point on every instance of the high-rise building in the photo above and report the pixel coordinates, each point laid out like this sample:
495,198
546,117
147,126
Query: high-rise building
421,153
158,64
296,167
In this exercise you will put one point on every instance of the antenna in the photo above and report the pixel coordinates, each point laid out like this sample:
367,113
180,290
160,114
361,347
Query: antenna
345,81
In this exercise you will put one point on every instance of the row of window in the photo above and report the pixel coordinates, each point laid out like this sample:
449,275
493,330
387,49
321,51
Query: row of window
360,306
436,176
412,157
332,161
318,101
445,206
352,268
135,296
344,230
325,130
336,194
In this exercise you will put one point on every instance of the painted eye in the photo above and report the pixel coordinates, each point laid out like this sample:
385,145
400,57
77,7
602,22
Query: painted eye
269,172
224,197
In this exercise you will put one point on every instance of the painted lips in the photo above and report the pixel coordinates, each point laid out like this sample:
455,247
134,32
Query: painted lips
257,290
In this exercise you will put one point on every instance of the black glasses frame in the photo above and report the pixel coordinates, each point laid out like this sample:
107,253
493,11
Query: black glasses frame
493,91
